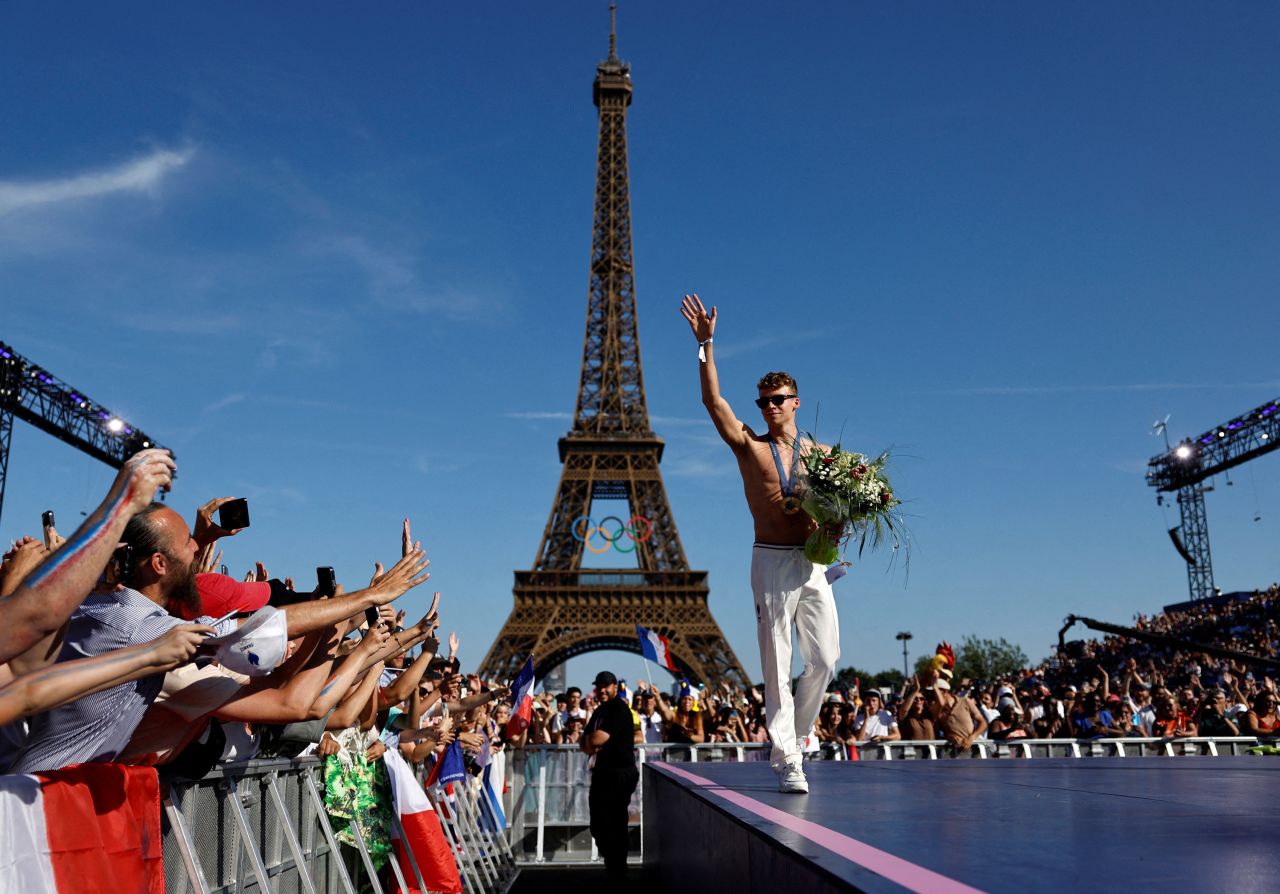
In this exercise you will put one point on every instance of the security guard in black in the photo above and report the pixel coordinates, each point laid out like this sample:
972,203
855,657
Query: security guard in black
609,737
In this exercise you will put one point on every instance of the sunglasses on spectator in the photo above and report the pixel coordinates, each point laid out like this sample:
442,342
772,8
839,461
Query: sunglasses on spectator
776,399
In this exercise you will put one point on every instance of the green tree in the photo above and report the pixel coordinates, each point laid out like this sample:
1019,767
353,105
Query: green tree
987,659
891,678
846,675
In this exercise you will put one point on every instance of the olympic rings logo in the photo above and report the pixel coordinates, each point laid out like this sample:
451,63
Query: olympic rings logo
637,529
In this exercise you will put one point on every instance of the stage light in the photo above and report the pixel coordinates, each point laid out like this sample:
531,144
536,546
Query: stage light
114,425
1264,436
1183,452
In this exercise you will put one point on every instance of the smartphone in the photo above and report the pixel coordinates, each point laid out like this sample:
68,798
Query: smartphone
123,558
233,515
46,519
326,581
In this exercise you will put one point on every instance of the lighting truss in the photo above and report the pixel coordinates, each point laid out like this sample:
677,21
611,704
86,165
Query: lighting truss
32,394
1183,466
1195,459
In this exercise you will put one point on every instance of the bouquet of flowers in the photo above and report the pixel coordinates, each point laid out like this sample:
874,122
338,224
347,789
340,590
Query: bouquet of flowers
847,491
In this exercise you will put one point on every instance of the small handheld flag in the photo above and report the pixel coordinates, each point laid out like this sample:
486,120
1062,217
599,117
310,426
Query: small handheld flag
450,767
522,700
656,647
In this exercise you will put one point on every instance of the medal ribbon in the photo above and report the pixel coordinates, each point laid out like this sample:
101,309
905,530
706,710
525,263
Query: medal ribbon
786,481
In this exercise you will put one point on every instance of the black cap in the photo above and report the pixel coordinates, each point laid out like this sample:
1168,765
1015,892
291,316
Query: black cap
604,678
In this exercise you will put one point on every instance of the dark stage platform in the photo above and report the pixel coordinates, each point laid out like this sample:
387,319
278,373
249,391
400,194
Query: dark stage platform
1088,824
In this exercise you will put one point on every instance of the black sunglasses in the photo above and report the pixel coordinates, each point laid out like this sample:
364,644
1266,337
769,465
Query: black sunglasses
776,399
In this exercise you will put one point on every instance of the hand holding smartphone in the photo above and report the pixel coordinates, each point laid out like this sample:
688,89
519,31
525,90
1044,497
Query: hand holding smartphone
233,515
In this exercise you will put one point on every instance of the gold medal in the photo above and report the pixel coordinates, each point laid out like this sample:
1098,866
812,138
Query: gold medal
790,505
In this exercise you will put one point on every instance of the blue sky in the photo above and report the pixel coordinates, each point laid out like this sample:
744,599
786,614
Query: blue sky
337,259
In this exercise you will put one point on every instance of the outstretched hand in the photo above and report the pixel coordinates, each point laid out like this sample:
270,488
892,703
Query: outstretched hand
401,577
702,323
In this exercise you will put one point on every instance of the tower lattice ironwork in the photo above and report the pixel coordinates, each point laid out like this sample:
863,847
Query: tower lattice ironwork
561,608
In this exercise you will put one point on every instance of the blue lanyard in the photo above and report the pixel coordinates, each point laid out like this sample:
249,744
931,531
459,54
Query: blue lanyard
786,481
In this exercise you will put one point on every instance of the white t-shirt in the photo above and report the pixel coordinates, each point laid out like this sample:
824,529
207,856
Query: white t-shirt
881,723
562,718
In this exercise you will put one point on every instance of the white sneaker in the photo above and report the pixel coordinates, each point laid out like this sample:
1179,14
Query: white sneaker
791,780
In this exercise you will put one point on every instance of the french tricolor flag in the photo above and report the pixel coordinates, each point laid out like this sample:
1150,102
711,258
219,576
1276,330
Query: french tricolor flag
656,647
522,700
92,827
422,833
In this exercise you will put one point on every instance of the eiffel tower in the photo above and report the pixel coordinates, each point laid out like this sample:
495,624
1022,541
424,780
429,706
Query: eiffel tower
562,609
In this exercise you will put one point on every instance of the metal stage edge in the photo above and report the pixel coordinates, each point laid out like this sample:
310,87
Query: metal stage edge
1163,824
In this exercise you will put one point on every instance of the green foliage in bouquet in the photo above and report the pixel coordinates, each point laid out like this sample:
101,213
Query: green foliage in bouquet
847,491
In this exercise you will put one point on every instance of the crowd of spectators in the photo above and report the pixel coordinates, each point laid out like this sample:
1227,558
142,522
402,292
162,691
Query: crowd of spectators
1114,687
123,643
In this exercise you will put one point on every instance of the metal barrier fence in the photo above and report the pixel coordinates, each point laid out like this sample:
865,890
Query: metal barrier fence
547,802
261,826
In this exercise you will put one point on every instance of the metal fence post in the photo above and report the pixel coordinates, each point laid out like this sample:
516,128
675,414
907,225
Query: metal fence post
323,816
366,859
186,847
290,836
246,836
542,808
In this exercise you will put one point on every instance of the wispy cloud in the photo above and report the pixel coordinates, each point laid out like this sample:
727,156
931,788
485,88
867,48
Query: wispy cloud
271,493
1039,390
223,402
658,422
190,324
678,422
395,282
535,415
139,175
765,340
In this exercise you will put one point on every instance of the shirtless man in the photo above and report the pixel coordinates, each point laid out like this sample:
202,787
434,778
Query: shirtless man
789,589
957,718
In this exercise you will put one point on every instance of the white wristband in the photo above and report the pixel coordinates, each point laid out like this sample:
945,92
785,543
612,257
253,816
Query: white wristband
702,350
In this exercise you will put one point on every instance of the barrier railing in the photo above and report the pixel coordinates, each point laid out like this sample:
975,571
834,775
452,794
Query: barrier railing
984,749
261,826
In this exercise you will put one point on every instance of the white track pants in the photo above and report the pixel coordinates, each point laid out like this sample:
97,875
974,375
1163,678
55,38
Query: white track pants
789,589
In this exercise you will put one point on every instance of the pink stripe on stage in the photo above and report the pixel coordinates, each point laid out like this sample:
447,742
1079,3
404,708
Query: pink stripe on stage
896,869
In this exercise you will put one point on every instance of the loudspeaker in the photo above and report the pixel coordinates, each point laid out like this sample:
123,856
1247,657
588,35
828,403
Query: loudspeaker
1178,545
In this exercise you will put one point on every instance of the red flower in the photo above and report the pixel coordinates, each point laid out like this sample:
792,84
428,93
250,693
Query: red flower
826,460
886,497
